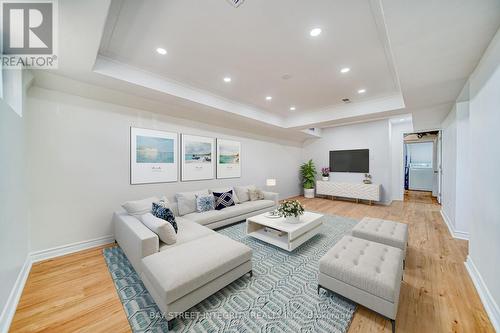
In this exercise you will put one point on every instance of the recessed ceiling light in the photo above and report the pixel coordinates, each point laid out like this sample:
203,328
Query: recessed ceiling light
345,70
361,91
268,98
292,108
161,51
315,32
227,79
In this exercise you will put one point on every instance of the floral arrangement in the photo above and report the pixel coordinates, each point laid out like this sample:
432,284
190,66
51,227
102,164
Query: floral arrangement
289,208
325,172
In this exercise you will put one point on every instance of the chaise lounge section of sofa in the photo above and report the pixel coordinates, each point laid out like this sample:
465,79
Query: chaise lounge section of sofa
198,264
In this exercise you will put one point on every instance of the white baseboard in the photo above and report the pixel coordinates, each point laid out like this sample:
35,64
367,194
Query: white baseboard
454,233
69,248
489,303
15,294
10,306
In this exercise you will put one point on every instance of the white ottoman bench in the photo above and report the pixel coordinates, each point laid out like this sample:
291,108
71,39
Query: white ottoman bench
382,231
365,272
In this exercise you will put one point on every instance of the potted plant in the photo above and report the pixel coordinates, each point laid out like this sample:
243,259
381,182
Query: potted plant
325,173
308,175
291,210
368,179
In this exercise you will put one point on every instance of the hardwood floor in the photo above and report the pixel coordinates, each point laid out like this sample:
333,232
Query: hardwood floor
75,293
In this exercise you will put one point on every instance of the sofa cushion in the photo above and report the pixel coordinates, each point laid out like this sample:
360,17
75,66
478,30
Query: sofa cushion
223,199
186,201
188,231
138,208
226,189
369,266
162,228
160,211
242,192
187,267
255,194
229,212
204,203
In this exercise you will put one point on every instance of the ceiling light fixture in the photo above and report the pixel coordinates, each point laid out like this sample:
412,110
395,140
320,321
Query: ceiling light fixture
345,70
315,32
161,51
402,119
292,108
227,79
361,91
268,98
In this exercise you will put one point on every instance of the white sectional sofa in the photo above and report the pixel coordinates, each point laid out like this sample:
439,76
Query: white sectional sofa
243,209
199,263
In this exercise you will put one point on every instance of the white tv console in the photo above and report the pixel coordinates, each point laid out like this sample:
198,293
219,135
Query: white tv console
358,191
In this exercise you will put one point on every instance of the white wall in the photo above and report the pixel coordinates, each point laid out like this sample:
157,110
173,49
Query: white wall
471,153
484,204
398,129
79,164
14,207
374,136
463,169
449,162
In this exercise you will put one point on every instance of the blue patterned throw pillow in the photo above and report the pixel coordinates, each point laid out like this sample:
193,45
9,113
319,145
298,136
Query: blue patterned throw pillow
223,200
205,203
160,211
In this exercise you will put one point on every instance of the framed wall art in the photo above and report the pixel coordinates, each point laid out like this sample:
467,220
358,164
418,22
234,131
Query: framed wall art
153,156
198,157
228,159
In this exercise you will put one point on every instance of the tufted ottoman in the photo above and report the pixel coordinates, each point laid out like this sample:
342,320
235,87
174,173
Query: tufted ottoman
382,231
365,272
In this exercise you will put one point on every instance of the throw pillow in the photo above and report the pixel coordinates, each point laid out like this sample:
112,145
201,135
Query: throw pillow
186,201
226,189
255,194
139,207
242,192
164,213
205,203
223,200
163,229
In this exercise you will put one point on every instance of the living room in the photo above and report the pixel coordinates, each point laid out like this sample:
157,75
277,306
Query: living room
247,166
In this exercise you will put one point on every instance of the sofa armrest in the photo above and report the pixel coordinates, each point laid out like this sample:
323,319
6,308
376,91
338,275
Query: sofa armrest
135,239
272,196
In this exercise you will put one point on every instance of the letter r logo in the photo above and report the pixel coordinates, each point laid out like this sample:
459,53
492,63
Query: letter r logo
27,28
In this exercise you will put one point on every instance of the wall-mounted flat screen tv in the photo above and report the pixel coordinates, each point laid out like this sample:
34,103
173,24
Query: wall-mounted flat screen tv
350,160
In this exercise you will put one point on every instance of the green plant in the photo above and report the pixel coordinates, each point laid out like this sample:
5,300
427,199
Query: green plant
289,208
308,174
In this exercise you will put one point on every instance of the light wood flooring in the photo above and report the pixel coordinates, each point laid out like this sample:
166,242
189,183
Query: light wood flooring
75,293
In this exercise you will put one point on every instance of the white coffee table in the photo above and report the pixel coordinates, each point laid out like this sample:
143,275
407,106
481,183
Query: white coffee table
285,235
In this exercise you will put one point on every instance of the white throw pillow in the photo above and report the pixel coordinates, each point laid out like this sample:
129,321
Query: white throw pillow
162,228
186,201
226,189
255,194
242,192
138,208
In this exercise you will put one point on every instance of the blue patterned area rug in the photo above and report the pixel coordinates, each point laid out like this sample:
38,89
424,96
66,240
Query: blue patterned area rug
280,297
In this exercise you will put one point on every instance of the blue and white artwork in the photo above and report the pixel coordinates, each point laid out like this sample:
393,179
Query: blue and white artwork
153,156
154,150
228,159
198,154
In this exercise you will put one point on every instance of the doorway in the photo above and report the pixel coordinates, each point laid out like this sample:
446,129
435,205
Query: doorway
422,163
